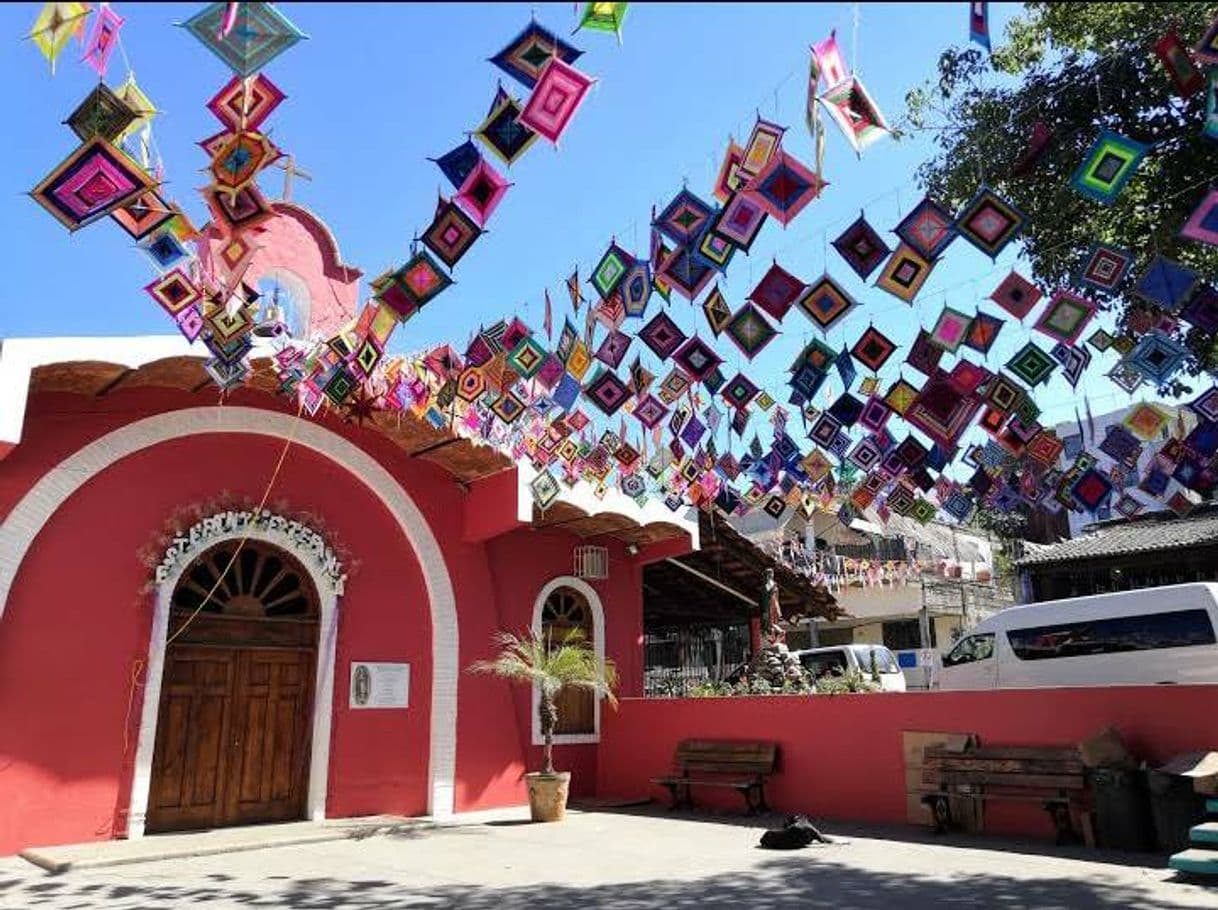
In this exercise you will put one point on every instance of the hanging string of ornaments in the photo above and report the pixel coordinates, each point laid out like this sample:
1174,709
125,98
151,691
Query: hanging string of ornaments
876,449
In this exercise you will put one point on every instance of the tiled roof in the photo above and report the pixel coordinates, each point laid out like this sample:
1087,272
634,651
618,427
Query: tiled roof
1141,536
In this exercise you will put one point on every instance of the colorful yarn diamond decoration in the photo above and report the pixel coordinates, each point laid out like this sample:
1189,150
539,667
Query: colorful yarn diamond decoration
856,115
1016,295
901,396
764,141
739,391
1108,166
102,113
238,159
649,411
697,359
862,248
1158,357
508,407
604,17
613,348
174,291
924,355
750,331
243,104
941,412
951,329
718,313
526,55
662,336
686,272
89,184
1073,360
825,302
142,215
1065,317
459,163
55,26
1146,420
1004,394
989,222
777,291
1202,310
1031,364
1181,69
481,192
611,270
1166,284
502,132
928,229
259,35
740,220
730,177
1091,489
904,274
607,392
785,187
1206,405
451,233
239,211
1202,224
1106,267
560,91
635,289
545,489
983,332
684,218
1100,340
415,284
1126,377
715,249
873,349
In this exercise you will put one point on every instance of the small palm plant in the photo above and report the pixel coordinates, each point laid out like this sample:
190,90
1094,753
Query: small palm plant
552,666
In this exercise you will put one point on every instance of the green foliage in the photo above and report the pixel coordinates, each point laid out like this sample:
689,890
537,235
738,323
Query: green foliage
1079,68
851,681
531,658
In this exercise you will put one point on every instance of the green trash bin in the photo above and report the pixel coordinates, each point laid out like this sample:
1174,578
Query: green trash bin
1175,808
1122,810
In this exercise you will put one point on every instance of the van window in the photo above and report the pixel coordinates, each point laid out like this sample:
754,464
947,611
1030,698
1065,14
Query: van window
826,663
1177,629
884,660
974,647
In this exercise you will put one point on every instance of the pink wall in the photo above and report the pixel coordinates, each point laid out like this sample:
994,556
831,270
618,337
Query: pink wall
840,757
77,623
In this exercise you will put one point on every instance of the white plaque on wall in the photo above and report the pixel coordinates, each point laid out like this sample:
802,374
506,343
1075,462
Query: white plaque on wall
379,685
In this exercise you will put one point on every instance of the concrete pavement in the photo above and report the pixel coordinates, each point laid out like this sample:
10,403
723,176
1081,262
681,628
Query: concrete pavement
625,860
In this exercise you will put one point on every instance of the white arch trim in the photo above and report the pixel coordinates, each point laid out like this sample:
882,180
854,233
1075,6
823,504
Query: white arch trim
323,684
19,529
598,645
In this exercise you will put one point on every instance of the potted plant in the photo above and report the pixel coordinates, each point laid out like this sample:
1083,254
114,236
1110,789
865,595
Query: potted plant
552,666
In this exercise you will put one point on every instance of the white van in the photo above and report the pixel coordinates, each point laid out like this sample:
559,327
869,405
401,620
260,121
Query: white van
1144,637
857,658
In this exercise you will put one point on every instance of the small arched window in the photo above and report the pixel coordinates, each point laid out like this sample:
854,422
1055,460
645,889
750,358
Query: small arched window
566,610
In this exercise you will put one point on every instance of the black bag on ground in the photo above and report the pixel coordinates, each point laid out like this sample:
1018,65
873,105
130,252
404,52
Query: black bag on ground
796,833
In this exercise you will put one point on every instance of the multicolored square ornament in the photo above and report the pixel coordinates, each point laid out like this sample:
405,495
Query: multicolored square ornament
525,56
451,233
481,192
1016,295
740,220
750,331
1202,224
862,248
684,218
502,132
989,222
1031,364
93,181
924,355
1158,357
1206,405
1106,267
611,270
718,313
873,349
901,395
1065,317
777,291
1108,166
1166,284
697,358
983,332
559,92
904,273
951,329
928,229
607,392
785,186
825,302
1202,310
662,335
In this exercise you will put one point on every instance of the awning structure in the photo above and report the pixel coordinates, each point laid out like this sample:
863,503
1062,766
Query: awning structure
722,582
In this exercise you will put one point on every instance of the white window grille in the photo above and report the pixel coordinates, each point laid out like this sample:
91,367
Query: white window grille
591,562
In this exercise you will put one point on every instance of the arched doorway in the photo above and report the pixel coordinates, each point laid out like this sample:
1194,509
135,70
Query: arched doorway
565,610
234,725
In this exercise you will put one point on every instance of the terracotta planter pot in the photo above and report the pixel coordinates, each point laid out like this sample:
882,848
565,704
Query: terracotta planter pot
548,795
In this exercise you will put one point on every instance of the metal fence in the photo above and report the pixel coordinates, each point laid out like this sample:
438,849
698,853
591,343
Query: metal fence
678,660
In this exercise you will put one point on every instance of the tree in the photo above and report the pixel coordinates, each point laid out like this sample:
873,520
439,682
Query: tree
551,666
1078,68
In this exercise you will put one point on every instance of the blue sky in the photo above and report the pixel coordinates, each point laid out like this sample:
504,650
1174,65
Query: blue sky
378,88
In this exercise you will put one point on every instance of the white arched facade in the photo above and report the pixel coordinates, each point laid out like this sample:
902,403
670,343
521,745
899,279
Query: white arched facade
54,488
598,645
323,682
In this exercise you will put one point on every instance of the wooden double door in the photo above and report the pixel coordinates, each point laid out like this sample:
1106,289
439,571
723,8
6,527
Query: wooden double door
235,721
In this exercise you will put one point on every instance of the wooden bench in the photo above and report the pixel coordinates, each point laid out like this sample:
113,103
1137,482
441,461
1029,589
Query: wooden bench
739,766
1051,776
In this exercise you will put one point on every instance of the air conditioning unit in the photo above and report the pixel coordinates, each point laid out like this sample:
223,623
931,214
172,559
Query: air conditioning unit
591,562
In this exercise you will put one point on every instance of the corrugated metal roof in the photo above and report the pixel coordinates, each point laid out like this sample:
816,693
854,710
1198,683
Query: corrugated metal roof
1142,536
